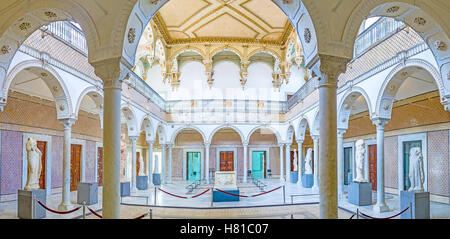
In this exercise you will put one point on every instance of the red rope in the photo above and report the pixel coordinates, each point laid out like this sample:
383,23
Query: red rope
352,216
142,216
172,194
58,212
95,213
201,193
232,194
385,217
266,192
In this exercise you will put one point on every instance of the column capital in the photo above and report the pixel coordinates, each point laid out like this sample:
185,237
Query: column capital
331,67
245,143
281,144
380,122
207,144
150,142
111,72
134,138
341,132
299,142
315,137
68,122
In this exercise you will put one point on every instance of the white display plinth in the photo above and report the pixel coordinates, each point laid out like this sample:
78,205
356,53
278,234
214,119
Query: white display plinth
226,180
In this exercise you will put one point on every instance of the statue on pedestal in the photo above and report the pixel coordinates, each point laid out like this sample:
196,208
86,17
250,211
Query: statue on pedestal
359,161
141,167
295,160
416,171
308,159
34,165
123,157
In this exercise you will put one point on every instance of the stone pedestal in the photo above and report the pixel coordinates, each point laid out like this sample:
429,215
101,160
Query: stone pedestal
156,179
142,182
87,192
294,176
307,180
125,189
360,193
25,203
223,197
420,204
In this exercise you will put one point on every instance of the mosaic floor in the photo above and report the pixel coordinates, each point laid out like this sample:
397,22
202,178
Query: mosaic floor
270,205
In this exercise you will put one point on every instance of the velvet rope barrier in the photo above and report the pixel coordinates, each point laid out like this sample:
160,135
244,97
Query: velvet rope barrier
352,216
57,212
385,217
256,195
232,194
95,213
142,216
200,193
172,194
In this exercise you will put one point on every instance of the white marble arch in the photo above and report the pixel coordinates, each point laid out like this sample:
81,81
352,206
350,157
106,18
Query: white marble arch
97,145
81,142
411,137
346,103
258,148
274,131
394,80
195,149
94,93
234,149
186,127
48,160
52,79
367,142
131,120
302,125
237,130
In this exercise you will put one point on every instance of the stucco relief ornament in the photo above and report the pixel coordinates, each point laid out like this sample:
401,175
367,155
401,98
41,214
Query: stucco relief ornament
307,35
393,9
359,161
416,172
24,26
34,165
50,14
308,160
5,49
420,21
131,35
440,45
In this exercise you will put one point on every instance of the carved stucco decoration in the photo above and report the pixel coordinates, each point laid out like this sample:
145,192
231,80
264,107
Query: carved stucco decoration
62,108
440,45
154,2
420,21
50,14
393,9
5,49
24,26
131,35
307,35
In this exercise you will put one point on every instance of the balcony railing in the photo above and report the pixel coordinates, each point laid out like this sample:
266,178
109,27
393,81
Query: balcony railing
69,33
380,30
137,83
303,92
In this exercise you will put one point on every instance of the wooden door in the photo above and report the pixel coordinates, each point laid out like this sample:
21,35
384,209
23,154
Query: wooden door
100,166
226,161
138,164
42,146
373,166
75,158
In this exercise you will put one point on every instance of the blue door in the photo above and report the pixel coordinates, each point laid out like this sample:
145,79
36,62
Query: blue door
193,166
258,164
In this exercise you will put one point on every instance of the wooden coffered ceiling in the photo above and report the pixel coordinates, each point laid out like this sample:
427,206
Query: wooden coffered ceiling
247,21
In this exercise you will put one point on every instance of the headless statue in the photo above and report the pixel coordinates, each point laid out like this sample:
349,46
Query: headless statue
141,167
123,158
308,160
34,165
295,160
416,171
359,161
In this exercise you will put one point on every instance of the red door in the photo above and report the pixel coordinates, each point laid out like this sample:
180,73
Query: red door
138,165
227,161
42,146
373,166
75,157
100,166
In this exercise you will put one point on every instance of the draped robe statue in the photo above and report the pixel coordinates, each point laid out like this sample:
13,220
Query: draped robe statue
359,161
416,171
295,160
34,165
141,166
308,159
123,157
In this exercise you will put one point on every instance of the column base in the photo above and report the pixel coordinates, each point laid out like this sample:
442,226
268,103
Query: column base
315,189
380,208
66,207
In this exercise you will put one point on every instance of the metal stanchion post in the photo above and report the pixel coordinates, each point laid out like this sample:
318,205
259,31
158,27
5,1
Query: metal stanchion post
84,210
212,192
357,213
150,213
155,196
410,210
284,195
33,199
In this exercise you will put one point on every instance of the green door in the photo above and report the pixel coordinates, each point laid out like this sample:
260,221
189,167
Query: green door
258,164
348,155
193,166
406,149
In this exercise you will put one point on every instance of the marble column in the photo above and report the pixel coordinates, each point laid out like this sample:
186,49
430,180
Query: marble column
340,161
331,67
150,163
110,72
207,145
65,200
281,162
315,139
300,162
133,163
381,205
288,163
170,163
245,144
163,163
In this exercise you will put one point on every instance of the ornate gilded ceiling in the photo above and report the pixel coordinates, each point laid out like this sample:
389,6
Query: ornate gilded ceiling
186,21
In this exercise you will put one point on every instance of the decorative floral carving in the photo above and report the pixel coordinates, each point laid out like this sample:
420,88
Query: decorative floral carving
154,2
420,21
392,9
43,74
131,35
62,108
50,14
5,49
307,35
24,26
440,45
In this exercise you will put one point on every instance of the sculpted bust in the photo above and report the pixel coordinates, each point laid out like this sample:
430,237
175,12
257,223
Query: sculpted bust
359,161
308,159
34,164
416,171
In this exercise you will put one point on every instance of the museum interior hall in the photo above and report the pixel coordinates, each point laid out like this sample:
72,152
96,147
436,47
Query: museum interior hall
222,109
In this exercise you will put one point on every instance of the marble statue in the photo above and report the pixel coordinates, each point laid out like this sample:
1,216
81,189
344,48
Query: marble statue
308,160
416,171
295,160
34,165
359,161
156,166
123,157
141,167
